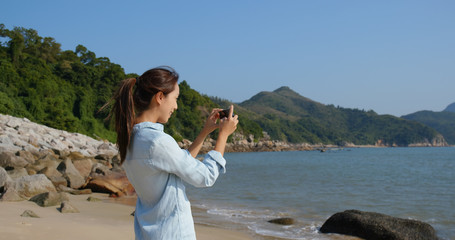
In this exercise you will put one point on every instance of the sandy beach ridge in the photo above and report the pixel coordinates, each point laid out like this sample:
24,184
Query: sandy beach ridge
95,220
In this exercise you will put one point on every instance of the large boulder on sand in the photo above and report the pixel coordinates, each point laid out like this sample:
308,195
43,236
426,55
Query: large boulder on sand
376,226
48,199
29,186
114,183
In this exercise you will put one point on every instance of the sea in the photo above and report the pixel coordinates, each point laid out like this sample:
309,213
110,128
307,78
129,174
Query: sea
310,186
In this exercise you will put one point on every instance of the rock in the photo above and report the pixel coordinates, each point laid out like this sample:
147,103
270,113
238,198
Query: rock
76,156
74,178
17,173
113,183
47,154
58,181
66,207
84,167
14,123
29,186
99,169
103,146
370,225
29,213
10,160
48,161
11,195
282,221
74,191
51,173
48,199
4,177
103,157
93,199
62,153
27,156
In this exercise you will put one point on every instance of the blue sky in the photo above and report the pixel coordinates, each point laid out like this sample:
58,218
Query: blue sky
394,57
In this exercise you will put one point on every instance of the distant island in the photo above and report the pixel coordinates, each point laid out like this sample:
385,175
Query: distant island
443,122
64,89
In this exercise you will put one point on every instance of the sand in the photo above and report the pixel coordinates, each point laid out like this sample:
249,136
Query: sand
95,220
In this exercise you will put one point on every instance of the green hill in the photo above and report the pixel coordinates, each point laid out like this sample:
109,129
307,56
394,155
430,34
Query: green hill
64,89
450,108
443,122
288,116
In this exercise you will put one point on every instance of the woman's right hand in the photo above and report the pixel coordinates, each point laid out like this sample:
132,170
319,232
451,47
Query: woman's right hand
229,124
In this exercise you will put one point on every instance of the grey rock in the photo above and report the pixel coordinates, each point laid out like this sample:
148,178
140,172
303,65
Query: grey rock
50,172
11,195
376,226
103,146
29,213
47,154
10,160
282,221
100,169
84,167
29,186
76,156
103,156
17,173
13,123
6,141
48,199
27,156
93,199
66,207
74,178
4,177
74,191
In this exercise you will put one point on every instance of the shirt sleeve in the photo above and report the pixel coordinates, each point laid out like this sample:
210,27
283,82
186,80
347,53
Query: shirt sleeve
166,155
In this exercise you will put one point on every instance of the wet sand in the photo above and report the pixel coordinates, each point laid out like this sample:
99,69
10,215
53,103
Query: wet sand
95,220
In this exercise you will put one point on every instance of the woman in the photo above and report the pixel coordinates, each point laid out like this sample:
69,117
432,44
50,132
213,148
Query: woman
153,161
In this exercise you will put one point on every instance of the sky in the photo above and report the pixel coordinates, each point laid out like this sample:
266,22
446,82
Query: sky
390,56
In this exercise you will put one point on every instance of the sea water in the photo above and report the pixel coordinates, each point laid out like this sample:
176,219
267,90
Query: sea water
310,186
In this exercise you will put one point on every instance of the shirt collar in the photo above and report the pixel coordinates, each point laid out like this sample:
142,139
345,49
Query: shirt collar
156,126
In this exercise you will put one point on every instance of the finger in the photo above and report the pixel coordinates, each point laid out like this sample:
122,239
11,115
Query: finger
231,111
214,111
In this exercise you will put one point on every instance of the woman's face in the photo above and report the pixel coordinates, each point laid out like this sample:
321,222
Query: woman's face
169,104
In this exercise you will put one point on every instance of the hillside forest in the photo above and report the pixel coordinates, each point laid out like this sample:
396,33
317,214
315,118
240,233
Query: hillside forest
64,89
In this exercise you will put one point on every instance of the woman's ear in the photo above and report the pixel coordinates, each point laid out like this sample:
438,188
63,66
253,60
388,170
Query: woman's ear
159,97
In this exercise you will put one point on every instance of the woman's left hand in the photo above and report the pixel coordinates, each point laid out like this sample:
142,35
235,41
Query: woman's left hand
210,124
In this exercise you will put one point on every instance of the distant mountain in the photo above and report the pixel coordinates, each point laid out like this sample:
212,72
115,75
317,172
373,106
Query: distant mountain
443,122
65,89
450,108
288,116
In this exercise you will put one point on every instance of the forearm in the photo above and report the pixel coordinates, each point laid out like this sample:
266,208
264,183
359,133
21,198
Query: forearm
198,142
221,142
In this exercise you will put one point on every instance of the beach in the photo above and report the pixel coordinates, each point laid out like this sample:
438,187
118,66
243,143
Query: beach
99,220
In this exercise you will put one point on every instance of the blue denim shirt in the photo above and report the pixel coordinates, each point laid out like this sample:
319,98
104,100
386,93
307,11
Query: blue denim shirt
156,167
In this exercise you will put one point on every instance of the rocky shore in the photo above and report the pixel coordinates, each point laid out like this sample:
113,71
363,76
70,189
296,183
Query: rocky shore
36,159
51,167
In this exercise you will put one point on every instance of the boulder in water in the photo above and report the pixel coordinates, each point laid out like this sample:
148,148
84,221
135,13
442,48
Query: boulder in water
370,225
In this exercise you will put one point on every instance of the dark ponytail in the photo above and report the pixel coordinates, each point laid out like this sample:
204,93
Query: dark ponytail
130,101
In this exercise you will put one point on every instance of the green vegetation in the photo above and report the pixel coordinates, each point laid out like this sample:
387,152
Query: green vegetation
65,89
450,108
287,116
443,122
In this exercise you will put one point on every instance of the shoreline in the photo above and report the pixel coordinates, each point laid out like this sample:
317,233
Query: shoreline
104,219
